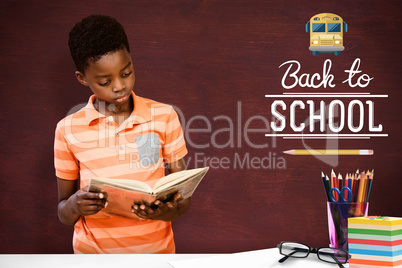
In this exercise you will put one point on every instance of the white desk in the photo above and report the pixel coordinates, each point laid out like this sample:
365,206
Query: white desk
254,259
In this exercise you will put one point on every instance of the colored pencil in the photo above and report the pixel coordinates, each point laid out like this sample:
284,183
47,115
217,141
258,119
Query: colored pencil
330,152
328,183
353,182
358,182
324,181
369,186
347,184
356,192
362,186
334,184
340,181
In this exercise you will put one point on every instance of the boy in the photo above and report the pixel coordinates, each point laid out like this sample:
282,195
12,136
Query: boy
116,135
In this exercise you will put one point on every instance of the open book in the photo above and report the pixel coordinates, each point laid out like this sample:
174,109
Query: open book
123,193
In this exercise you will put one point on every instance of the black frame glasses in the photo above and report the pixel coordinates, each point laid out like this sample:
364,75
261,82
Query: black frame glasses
299,250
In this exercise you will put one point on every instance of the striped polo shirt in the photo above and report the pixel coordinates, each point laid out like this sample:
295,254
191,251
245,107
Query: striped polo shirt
89,144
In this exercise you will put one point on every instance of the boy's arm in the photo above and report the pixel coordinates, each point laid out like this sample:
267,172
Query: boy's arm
168,211
73,203
177,166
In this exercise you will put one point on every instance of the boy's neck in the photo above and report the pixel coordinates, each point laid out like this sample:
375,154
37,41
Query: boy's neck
118,112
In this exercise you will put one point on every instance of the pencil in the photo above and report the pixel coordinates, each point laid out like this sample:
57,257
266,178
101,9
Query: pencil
334,183
350,184
328,183
346,184
362,185
330,152
369,185
324,181
353,185
356,190
340,181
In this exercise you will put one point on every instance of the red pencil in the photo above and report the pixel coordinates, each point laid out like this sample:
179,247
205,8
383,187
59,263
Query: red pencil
345,195
334,184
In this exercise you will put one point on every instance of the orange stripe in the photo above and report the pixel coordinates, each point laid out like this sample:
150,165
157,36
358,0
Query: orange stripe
79,128
108,222
64,155
105,160
84,248
70,175
123,242
143,176
176,132
126,168
104,147
129,230
174,145
170,248
129,137
179,153
137,174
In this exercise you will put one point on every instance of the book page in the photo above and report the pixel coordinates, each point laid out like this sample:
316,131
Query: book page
178,177
186,185
99,183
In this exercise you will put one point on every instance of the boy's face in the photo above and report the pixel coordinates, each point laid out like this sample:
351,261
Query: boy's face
111,78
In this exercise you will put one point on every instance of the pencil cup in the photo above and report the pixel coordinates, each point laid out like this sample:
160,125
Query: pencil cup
338,214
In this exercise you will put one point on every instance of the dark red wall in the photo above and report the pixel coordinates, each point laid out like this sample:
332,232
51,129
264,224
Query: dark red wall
204,57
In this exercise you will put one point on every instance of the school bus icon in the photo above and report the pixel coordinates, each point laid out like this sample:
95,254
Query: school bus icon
326,33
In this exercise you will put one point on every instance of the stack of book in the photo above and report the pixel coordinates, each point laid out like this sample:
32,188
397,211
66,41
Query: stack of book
375,242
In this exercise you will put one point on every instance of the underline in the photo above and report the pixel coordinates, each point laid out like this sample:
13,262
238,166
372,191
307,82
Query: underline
329,138
326,96
344,93
326,135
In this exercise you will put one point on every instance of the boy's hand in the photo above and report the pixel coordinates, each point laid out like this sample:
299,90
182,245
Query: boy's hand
89,203
168,211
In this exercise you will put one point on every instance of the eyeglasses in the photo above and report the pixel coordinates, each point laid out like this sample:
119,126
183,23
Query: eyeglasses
298,250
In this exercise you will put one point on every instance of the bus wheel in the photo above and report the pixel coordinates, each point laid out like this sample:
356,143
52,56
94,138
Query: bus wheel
315,53
337,53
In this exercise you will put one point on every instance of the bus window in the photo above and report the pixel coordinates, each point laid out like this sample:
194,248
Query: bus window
318,27
334,27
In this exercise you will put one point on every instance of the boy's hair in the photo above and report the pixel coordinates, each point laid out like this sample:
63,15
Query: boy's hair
94,37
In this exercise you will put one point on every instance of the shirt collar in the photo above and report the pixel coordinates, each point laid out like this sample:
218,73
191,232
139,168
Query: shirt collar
141,113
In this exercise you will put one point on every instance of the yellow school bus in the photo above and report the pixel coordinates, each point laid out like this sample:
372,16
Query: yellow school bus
326,33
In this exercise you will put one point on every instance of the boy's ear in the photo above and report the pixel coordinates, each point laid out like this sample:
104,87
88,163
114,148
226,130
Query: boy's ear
81,78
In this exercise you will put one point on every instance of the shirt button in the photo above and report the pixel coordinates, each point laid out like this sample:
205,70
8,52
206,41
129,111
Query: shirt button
117,134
